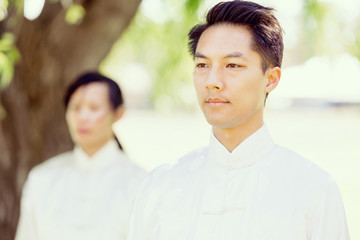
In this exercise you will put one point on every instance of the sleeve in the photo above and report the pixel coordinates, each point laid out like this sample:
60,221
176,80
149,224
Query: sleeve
26,229
328,220
135,178
144,220
136,230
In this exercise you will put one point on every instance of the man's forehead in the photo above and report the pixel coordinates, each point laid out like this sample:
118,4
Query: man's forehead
234,54
231,39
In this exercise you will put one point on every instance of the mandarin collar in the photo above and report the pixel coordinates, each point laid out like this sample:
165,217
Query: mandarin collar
247,153
102,158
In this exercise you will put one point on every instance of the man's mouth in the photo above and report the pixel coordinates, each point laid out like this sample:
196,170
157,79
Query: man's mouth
216,101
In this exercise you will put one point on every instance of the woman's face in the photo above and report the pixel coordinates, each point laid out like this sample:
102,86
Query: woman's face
90,117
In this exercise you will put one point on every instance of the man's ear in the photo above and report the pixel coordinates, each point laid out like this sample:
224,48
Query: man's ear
119,112
273,77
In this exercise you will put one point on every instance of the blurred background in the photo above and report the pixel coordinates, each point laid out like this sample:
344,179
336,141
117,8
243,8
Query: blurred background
44,45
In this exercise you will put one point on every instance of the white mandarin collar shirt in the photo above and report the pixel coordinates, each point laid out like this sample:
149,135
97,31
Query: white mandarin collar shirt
251,150
76,197
259,191
101,159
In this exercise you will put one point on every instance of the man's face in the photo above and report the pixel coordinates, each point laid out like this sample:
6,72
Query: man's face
228,78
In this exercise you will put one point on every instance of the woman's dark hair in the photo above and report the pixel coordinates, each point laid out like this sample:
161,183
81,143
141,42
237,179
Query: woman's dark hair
115,95
259,20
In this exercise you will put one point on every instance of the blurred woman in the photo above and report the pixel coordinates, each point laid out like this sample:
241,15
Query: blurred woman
87,193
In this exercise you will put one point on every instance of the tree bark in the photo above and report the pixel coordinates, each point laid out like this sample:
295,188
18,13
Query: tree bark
53,53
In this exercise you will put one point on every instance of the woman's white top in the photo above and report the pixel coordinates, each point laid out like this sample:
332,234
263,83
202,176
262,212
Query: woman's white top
259,191
76,197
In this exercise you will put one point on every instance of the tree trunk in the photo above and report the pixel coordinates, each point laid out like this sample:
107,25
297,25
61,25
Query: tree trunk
53,53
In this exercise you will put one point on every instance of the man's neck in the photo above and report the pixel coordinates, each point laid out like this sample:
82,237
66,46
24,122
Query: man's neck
232,137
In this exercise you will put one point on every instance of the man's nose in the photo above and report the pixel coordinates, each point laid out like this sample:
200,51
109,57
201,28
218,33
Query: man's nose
214,79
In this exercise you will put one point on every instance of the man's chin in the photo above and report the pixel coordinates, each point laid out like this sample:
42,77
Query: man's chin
218,123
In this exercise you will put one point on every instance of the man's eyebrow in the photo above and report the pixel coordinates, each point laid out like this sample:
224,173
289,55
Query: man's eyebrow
236,55
199,55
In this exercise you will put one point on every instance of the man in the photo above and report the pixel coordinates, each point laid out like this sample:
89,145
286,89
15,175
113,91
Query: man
243,185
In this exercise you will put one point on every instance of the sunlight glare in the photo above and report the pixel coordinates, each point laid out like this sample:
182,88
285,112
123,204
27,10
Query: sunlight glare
33,8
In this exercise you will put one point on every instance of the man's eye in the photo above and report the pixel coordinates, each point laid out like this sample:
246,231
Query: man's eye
201,65
233,65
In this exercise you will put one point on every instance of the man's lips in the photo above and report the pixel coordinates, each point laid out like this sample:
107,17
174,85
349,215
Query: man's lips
216,101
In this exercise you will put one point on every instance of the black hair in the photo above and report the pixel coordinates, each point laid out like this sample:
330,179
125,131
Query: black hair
259,20
115,95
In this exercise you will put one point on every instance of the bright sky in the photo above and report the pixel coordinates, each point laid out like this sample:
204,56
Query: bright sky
33,8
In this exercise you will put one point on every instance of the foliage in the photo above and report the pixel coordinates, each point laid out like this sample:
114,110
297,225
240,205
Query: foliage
9,55
162,48
74,14
354,46
314,17
324,30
